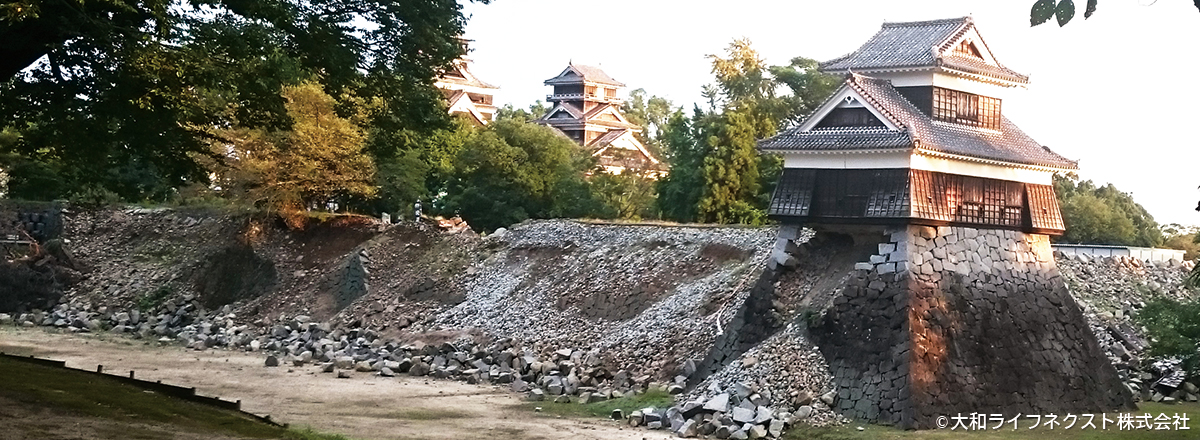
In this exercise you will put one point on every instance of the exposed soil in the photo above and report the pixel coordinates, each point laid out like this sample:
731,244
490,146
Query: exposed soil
363,407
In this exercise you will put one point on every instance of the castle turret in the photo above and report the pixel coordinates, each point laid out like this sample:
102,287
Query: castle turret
586,108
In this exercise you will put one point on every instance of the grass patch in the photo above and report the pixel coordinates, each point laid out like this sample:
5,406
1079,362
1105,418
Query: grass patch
149,301
72,393
309,434
657,399
875,432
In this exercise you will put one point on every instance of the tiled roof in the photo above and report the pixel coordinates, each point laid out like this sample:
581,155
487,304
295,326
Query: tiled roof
916,45
917,130
464,77
978,67
595,74
837,139
589,73
607,138
596,110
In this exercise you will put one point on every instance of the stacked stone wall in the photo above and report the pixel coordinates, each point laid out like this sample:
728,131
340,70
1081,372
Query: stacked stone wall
42,221
959,320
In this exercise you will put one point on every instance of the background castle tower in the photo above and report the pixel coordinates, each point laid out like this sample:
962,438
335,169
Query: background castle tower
586,109
467,95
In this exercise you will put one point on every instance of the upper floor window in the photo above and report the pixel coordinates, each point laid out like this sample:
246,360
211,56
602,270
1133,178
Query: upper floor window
966,108
850,117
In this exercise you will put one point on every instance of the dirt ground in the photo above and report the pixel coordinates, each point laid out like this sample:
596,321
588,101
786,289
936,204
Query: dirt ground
362,407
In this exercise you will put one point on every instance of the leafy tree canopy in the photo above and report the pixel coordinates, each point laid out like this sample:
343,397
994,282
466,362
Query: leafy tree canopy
1103,215
1174,328
120,95
514,170
319,159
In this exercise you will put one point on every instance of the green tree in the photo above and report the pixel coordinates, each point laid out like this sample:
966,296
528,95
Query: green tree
731,177
128,91
1185,238
744,82
515,170
809,86
1103,215
680,191
1063,10
534,112
1174,330
629,195
651,114
320,158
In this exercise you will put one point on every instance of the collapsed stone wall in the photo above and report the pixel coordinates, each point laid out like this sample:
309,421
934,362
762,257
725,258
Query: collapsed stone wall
42,221
712,307
952,320
1111,291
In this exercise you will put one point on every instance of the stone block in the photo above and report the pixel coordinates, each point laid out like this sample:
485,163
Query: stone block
886,268
927,232
886,248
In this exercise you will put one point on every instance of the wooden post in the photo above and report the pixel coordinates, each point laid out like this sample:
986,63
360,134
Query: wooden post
131,374
100,369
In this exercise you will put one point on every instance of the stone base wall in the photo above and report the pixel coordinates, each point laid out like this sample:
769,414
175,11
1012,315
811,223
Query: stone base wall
954,320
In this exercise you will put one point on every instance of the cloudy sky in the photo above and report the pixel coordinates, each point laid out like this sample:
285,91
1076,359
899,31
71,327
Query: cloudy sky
1117,91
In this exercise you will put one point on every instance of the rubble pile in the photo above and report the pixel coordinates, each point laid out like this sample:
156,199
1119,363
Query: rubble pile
560,311
1111,290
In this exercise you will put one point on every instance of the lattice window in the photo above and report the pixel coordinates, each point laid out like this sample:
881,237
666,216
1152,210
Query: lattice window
965,199
794,193
966,108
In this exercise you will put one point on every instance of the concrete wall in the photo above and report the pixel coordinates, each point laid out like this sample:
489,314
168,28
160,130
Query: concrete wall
954,320
1141,253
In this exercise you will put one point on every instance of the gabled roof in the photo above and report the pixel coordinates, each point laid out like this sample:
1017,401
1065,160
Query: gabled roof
923,44
461,74
575,112
643,158
575,73
915,130
460,102
608,138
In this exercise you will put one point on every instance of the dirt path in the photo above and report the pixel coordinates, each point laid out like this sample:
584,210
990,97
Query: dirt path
362,407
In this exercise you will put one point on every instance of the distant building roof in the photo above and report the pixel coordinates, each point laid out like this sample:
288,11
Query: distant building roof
580,73
461,74
916,130
920,44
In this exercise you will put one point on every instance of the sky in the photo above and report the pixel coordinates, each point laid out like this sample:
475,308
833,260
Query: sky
1115,92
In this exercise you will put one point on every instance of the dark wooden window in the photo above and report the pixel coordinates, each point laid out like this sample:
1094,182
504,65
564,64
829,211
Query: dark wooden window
565,89
966,108
793,195
877,193
850,117
918,196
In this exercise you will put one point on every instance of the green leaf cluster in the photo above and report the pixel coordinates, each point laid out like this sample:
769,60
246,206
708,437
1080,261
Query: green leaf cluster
1174,329
1062,10
717,173
1103,215
511,171
122,97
